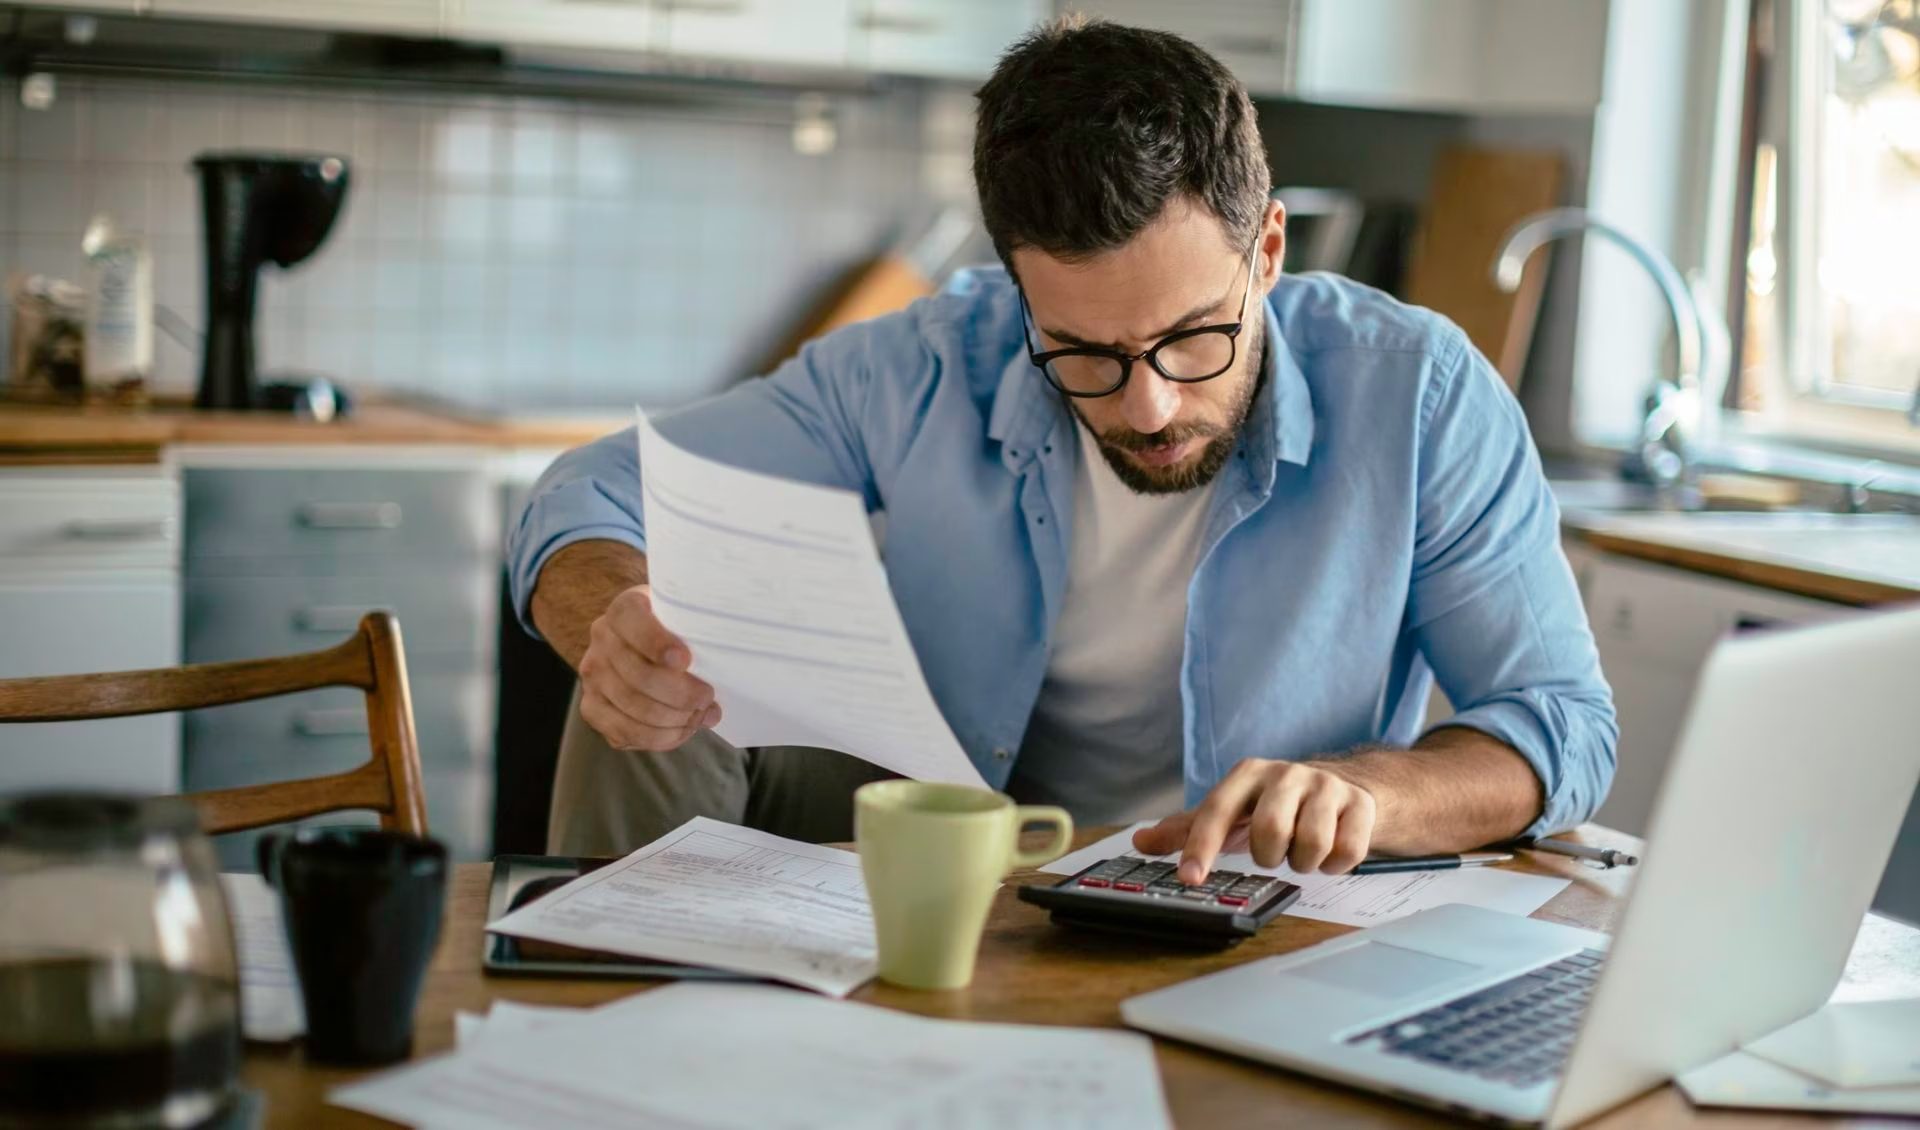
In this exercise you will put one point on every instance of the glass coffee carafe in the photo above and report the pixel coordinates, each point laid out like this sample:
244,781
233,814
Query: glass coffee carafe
119,997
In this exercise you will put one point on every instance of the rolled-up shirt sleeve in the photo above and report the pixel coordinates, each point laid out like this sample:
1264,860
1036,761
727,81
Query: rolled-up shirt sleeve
1494,606
811,419
590,493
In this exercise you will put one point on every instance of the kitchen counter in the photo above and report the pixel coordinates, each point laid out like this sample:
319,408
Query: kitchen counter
1857,559
99,433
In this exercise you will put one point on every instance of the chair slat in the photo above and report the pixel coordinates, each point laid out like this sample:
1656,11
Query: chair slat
373,660
70,698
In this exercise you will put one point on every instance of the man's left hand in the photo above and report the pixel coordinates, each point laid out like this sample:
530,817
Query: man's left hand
1301,813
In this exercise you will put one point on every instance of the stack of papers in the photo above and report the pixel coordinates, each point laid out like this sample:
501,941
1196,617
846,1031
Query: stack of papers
712,893
1862,1057
1356,900
270,1007
722,1056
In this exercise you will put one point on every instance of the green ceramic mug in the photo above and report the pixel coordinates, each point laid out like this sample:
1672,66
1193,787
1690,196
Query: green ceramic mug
933,856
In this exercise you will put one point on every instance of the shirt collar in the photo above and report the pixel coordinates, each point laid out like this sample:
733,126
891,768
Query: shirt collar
1026,411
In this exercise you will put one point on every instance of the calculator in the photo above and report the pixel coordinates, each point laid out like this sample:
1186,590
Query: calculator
1141,896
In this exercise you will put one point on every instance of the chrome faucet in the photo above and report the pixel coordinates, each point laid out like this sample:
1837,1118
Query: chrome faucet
1662,456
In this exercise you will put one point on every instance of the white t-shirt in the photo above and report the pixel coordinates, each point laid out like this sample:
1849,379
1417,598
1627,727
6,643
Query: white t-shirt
1106,738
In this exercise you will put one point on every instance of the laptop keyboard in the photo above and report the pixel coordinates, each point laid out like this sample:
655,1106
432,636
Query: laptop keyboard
1517,1032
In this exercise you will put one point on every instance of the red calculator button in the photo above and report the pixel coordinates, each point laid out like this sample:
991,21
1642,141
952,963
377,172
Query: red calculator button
1231,900
1129,886
1095,883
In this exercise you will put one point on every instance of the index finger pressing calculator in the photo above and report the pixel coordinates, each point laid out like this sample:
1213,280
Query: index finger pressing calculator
1140,896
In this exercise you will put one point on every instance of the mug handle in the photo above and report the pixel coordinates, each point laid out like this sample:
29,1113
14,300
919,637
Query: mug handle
266,854
1057,818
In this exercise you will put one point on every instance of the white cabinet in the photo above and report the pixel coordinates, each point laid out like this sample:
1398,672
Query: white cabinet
1654,626
1254,38
1483,56
117,6
810,33
615,25
938,38
406,17
89,581
804,32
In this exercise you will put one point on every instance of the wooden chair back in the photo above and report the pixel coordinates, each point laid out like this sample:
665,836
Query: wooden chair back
372,660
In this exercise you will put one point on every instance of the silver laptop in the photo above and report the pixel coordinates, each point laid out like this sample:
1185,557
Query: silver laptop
1777,814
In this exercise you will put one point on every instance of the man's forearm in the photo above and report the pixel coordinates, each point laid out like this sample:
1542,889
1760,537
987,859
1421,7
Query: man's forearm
1455,790
574,588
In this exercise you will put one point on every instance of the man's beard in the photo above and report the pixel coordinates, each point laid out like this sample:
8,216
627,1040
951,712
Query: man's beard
1199,472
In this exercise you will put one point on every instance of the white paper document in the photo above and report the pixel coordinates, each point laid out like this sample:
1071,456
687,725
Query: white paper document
270,1007
723,1056
1863,1044
507,1018
778,589
1742,1079
711,893
1356,900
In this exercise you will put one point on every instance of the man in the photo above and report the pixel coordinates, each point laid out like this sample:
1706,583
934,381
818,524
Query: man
1169,530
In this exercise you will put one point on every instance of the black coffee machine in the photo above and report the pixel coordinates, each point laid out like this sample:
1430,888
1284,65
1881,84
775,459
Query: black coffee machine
258,206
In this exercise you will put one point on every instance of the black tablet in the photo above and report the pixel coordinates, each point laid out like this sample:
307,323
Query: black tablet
519,880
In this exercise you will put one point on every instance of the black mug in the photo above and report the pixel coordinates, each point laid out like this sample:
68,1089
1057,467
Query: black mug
362,909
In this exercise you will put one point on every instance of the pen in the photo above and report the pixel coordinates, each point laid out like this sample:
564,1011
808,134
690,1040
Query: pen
1606,857
1386,864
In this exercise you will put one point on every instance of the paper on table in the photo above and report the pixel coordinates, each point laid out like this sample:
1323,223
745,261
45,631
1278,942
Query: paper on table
1357,900
1865,1044
778,589
1742,1079
750,1056
711,893
507,1018
270,1007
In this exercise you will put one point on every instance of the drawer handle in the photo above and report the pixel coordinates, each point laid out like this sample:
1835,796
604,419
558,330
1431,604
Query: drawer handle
898,22
129,529
349,515
341,721
333,617
703,7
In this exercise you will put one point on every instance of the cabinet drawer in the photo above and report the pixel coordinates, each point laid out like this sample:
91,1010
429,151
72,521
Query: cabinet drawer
84,523
1653,613
417,515
325,731
450,613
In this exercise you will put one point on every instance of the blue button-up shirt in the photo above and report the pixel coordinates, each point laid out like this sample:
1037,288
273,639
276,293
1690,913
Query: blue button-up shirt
1382,522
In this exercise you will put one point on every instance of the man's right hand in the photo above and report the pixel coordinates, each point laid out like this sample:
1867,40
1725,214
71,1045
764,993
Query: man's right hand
635,690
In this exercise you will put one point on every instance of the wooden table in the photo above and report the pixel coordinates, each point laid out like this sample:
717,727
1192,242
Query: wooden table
1035,973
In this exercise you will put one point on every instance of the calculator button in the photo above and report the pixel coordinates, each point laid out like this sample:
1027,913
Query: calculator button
1090,881
1232,900
1224,878
1128,885
1148,872
1196,894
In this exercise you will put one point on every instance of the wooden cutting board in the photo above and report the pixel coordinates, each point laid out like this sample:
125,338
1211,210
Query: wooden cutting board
1475,196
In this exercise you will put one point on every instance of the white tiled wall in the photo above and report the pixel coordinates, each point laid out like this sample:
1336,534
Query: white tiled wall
503,251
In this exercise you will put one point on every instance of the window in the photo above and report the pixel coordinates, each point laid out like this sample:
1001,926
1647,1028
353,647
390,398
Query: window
1829,325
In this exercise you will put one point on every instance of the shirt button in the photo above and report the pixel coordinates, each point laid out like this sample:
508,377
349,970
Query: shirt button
1002,754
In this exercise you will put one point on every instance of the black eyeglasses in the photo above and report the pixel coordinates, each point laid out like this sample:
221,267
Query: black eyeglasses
1188,356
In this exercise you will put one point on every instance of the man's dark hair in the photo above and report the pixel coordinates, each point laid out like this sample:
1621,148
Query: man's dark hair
1087,129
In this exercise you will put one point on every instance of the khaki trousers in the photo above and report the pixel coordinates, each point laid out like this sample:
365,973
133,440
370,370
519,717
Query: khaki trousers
609,802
